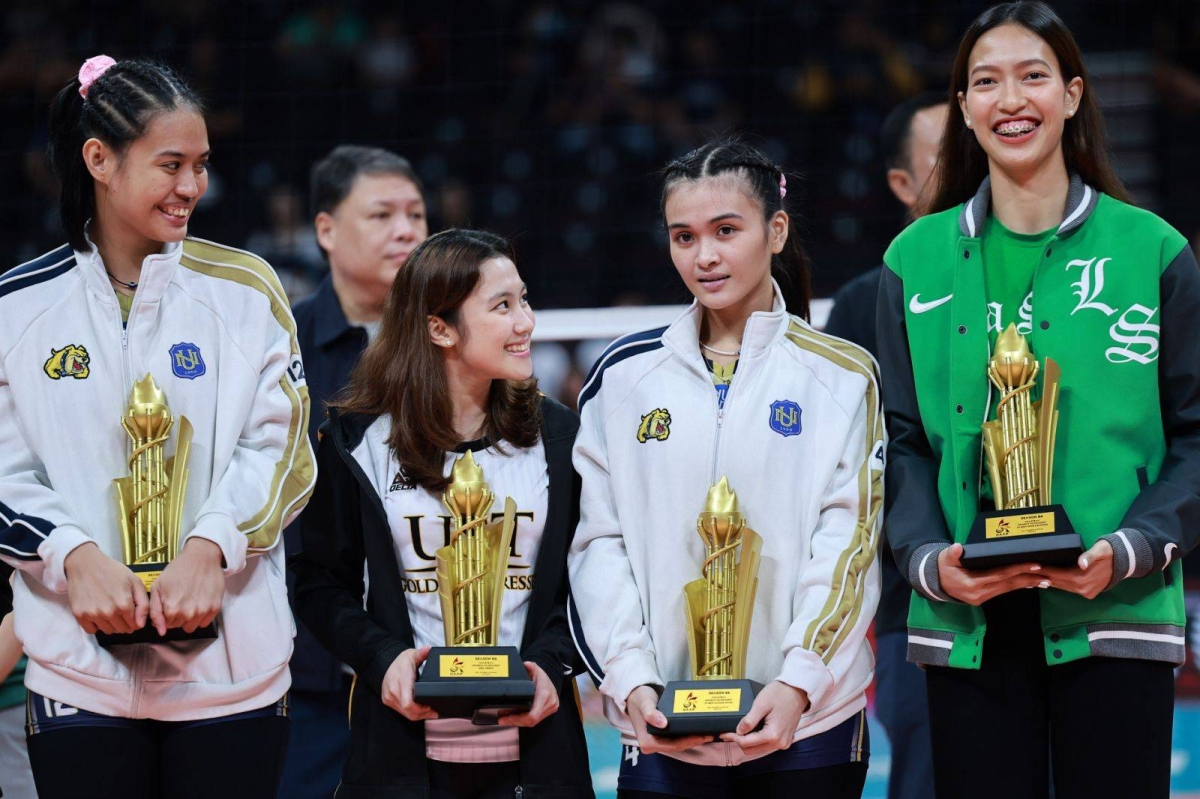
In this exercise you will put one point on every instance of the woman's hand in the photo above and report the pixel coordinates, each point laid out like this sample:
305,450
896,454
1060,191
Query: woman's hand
398,685
10,647
779,707
976,586
105,596
643,712
188,593
545,700
1094,572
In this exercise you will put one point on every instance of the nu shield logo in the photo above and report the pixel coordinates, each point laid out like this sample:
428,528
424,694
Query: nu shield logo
785,418
186,361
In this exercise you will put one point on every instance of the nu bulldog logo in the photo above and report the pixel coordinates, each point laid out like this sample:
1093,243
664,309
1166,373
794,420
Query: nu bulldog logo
71,361
656,425
785,418
186,361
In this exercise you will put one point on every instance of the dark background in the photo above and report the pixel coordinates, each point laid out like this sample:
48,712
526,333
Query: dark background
546,121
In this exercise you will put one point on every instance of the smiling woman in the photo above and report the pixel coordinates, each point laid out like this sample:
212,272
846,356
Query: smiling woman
132,308
1019,70
449,373
1032,234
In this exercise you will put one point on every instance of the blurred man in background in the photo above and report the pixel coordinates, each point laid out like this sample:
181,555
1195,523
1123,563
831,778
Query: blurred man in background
369,212
910,136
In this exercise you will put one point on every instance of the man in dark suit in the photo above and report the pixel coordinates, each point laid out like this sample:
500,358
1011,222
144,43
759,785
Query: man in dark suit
910,138
369,211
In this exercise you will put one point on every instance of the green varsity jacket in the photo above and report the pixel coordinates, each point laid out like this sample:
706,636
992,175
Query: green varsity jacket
1115,301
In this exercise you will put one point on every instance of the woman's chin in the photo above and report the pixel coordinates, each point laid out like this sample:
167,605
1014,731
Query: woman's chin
169,234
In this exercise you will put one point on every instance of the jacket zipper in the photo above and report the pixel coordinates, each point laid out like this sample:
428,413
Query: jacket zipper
720,421
124,325
125,358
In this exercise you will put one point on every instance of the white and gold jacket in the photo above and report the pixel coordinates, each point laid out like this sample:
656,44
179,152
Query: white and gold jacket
212,326
800,437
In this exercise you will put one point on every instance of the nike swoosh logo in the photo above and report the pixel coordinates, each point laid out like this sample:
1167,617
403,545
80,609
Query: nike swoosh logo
916,306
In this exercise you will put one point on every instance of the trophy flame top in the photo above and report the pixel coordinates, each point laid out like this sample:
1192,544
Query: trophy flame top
1012,362
147,415
468,495
721,519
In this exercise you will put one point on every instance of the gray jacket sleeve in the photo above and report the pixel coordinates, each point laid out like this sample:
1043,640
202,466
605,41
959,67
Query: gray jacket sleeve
1163,523
916,527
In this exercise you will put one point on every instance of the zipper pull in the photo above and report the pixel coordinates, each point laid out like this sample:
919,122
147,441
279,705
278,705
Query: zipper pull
519,791
124,339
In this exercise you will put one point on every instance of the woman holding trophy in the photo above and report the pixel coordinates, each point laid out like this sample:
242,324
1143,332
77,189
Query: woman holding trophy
1034,277
732,468
152,447
440,417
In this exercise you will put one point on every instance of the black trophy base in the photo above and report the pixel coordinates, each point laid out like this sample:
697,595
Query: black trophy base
1026,535
148,573
149,635
481,683
705,707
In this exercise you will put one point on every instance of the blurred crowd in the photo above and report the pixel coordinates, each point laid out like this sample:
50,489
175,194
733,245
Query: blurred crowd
545,120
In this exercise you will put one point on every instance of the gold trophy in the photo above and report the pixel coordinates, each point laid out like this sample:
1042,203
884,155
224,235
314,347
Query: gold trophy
471,676
1018,448
150,500
719,606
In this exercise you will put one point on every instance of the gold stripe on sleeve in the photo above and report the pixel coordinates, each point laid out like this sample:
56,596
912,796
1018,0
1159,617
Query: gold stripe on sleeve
843,606
295,472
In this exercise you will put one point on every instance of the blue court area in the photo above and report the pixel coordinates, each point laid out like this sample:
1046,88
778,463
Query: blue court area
605,751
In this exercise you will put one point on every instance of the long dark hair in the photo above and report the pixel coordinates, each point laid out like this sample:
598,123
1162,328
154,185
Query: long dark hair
119,106
403,373
790,267
964,164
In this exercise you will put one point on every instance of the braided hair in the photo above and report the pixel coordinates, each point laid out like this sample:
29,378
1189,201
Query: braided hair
763,181
117,110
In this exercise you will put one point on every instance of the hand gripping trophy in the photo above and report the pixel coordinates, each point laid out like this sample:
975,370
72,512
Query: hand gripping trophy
471,676
719,606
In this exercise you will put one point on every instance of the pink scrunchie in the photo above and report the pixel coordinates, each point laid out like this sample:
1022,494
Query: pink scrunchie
93,68
782,185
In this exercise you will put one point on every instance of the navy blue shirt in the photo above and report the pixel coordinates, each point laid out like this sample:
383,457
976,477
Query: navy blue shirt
330,346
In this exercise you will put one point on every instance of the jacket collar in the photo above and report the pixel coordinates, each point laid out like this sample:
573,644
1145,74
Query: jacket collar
157,271
331,322
349,429
763,329
1081,201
